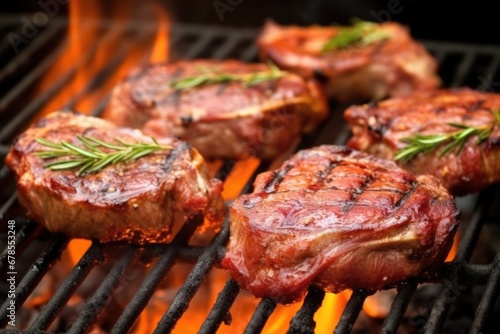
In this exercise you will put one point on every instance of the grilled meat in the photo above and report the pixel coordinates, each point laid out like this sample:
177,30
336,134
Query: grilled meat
143,201
222,120
380,128
337,218
392,66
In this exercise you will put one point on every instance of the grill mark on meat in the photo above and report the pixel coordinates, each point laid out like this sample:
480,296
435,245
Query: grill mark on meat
390,190
320,76
222,88
414,186
438,110
322,175
174,154
491,144
378,128
476,106
174,97
186,120
177,73
277,179
417,236
271,85
358,192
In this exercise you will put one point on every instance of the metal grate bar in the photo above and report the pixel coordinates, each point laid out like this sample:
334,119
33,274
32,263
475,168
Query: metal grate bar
31,279
20,118
229,45
99,109
66,290
24,57
488,299
220,310
469,238
250,53
462,69
439,56
198,29
398,307
8,204
155,277
5,42
351,311
4,149
23,238
450,289
101,297
5,172
264,166
260,316
193,282
491,70
225,170
474,273
201,44
303,321
453,47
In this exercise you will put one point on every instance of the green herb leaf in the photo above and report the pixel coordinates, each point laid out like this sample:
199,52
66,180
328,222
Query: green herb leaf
91,158
209,77
361,33
453,142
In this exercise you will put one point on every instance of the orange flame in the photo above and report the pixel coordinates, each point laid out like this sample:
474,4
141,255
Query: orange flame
94,50
454,248
328,316
161,48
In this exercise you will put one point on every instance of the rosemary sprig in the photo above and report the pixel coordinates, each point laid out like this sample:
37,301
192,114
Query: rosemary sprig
208,76
91,158
361,34
455,141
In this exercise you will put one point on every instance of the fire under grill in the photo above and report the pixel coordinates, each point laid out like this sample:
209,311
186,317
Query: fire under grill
462,299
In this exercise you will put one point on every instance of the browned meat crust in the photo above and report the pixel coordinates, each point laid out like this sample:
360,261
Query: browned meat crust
378,129
339,219
390,67
227,120
144,201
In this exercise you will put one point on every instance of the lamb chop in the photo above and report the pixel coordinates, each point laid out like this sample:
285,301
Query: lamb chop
225,109
468,119
146,199
339,219
362,62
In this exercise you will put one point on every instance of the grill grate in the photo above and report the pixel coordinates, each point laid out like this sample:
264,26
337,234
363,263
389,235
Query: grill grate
460,65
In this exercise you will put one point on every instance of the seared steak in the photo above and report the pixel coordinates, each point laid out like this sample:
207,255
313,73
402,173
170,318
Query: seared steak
392,66
146,200
380,128
337,218
221,120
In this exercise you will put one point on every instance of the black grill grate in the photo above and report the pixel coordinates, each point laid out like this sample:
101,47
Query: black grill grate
461,65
